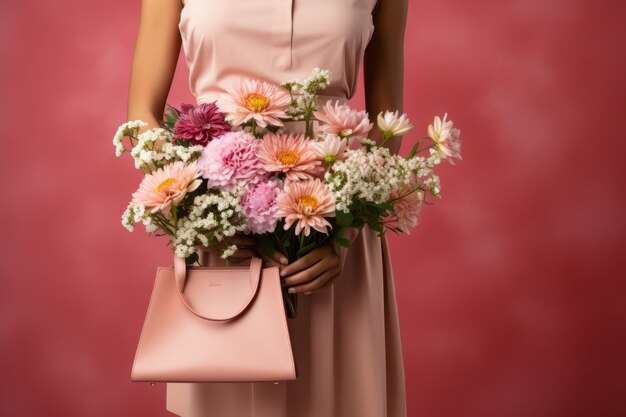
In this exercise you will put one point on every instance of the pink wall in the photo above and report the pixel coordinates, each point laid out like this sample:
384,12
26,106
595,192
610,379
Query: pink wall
510,291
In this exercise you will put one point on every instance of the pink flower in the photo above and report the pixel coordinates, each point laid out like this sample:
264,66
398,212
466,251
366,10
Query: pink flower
343,121
290,154
255,99
332,148
306,203
230,160
447,138
167,186
406,207
259,205
199,124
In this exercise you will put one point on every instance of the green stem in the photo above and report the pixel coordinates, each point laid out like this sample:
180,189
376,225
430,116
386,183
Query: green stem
386,136
254,128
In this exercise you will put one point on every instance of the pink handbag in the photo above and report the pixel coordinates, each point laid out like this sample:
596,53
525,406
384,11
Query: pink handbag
215,324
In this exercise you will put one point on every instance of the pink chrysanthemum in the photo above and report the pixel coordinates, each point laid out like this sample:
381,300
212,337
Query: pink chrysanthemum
167,186
407,206
230,160
259,205
343,121
448,138
255,99
306,203
199,124
290,154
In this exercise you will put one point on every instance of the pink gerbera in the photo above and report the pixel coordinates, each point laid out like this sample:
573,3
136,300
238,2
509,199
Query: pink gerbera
167,186
291,154
306,203
199,124
343,121
255,99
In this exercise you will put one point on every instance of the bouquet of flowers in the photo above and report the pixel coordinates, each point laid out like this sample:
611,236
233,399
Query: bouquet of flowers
231,166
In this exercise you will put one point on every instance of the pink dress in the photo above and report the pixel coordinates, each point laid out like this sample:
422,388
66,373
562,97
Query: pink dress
346,338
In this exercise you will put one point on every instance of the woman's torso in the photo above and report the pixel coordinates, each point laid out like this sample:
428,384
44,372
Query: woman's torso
275,40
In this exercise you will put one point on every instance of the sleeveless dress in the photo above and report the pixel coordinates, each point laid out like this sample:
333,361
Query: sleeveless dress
346,336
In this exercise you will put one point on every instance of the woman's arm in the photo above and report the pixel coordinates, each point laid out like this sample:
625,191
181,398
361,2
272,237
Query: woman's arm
154,63
383,64
157,48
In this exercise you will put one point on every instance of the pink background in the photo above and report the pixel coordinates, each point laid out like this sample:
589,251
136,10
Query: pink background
510,291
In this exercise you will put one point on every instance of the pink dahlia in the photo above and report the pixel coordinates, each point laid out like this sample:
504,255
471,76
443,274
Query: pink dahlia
259,205
255,99
343,121
406,207
231,160
167,186
291,154
447,138
306,203
199,124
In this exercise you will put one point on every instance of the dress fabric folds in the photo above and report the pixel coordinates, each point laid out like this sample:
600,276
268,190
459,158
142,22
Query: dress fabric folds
346,336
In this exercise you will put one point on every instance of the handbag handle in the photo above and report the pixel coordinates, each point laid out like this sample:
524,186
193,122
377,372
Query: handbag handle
180,272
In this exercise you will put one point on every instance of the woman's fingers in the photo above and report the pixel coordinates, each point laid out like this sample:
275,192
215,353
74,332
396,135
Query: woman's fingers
279,257
318,282
269,262
306,261
309,273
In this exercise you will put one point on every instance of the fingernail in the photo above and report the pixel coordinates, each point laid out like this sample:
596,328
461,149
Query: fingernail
284,260
291,290
282,273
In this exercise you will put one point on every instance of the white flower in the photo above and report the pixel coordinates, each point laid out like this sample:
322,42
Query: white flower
393,125
228,251
371,174
129,128
332,148
446,137
305,91
133,214
155,149
212,217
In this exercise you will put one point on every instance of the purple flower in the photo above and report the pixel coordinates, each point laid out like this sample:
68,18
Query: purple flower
199,124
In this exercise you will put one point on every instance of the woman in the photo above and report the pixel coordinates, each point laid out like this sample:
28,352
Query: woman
346,337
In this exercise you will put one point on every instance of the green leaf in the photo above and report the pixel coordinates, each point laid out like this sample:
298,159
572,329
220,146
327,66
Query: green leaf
413,151
343,218
191,259
375,226
306,249
265,245
342,241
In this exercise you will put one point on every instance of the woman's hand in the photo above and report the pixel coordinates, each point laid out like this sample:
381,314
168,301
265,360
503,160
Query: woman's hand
277,259
312,271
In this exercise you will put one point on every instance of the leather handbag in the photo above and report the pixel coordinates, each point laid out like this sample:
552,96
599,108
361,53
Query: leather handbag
215,324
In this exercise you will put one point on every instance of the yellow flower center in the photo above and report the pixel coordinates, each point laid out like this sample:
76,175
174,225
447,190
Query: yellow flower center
307,203
288,157
257,102
166,184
